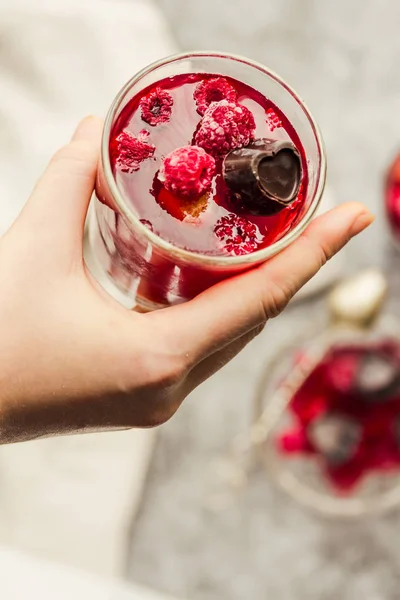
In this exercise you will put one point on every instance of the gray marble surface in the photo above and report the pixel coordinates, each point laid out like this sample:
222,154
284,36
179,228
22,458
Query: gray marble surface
342,57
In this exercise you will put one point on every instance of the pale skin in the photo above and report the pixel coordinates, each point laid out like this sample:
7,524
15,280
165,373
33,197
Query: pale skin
72,359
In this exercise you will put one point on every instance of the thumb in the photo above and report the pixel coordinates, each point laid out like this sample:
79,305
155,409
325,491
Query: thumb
232,308
58,204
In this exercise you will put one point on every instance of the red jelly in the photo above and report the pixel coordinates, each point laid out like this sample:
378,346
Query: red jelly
213,90
187,172
236,114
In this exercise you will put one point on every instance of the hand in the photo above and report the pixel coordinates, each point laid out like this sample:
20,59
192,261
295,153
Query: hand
72,359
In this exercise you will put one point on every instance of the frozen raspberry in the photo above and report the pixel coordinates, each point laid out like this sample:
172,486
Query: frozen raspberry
156,107
341,370
187,171
130,151
213,90
239,235
273,121
225,126
294,441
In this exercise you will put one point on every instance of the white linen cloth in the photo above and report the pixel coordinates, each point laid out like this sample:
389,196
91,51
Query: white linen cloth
69,499
25,578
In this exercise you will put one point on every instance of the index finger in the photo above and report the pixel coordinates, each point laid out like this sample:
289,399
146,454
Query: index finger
230,309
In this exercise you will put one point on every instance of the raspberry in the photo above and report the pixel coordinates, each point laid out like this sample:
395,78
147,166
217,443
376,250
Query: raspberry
156,107
239,235
294,441
129,151
225,126
213,90
187,171
341,371
273,121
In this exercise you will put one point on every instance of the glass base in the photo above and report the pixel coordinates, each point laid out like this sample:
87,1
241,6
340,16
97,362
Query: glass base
96,259
303,476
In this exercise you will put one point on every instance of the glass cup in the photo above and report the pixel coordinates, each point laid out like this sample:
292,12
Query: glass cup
302,475
140,267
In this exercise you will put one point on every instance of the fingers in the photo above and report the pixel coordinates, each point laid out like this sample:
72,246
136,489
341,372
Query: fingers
89,129
60,200
234,307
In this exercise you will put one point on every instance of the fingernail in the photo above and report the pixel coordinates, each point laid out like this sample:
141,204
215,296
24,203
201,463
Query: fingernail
361,222
88,128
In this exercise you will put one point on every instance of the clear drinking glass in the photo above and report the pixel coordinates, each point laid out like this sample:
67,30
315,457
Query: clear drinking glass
142,268
302,475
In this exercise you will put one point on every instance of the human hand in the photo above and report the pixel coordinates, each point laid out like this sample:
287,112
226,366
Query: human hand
72,359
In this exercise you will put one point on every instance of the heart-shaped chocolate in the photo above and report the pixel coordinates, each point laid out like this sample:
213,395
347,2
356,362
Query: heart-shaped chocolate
264,177
378,377
336,437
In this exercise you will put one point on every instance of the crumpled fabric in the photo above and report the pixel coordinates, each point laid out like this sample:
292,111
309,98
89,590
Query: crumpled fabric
59,61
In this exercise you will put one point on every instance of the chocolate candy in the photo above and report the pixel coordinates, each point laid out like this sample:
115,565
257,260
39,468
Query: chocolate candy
378,376
264,177
336,437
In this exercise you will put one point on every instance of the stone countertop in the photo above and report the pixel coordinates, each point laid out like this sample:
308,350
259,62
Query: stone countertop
342,58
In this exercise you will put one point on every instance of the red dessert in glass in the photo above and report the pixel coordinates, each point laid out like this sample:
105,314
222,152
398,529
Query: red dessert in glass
347,413
171,220
392,198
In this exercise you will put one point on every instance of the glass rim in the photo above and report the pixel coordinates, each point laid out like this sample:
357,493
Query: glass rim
253,258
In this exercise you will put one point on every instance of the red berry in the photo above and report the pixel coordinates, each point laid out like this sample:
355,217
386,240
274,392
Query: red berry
273,121
187,171
225,126
129,151
238,235
294,441
213,90
156,107
341,371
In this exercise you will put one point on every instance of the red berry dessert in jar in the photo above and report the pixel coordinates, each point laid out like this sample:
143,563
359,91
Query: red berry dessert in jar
392,198
346,414
190,172
211,171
